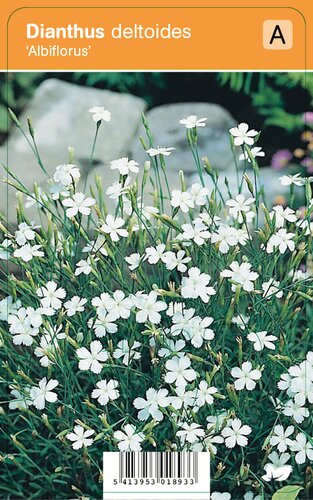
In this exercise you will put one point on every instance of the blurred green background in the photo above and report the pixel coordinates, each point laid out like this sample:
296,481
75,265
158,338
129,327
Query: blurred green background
271,102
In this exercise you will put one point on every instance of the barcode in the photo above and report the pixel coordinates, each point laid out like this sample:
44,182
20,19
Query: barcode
158,465
151,475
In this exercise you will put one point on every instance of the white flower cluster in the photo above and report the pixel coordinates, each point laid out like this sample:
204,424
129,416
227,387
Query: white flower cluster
177,324
297,383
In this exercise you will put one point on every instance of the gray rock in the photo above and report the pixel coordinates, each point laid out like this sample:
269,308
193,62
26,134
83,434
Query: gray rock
60,116
213,139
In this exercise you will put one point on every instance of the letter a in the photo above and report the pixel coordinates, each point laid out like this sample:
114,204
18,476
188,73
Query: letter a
277,34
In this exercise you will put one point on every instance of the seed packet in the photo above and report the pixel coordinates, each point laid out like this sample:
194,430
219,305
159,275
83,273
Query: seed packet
156,271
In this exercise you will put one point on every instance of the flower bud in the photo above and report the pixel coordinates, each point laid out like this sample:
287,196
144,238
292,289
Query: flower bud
30,127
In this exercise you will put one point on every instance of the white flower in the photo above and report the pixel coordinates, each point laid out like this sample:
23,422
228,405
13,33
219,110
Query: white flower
301,384
282,214
57,190
92,360
148,211
179,371
306,226
235,433
285,383
119,305
276,473
182,322
51,296
130,439
101,302
302,447
245,376
126,351
4,252
113,227
27,252
301,374
309,358
192,121
160,150
198,194
271,289
204,394
103,324
200,331
24,326
150,406
249,217
296,179
183,398
124,166
261,340
280,437
217,495
80,437
107,391
97,246
210,441
241,274
242,134
279,460
21,399
177,260
281,240
116,190
24,234
196,285
46,350
44,393
25,335
296,411
299,275
171,347
190,432
18,318
78,204
215,422
149,308
74,305
66,174
238,206
182,199
196,232
54,332
133,261
226,237
99,113
256,151
241,321
83,266
154,254
242,234
208,219
35,316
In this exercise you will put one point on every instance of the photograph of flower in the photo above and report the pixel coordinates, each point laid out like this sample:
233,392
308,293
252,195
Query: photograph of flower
157,279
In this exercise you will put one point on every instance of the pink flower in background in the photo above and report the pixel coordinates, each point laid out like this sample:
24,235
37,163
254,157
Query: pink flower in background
281,159
307,162
308,117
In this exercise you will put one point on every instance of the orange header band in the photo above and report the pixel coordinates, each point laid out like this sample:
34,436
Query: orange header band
141,37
